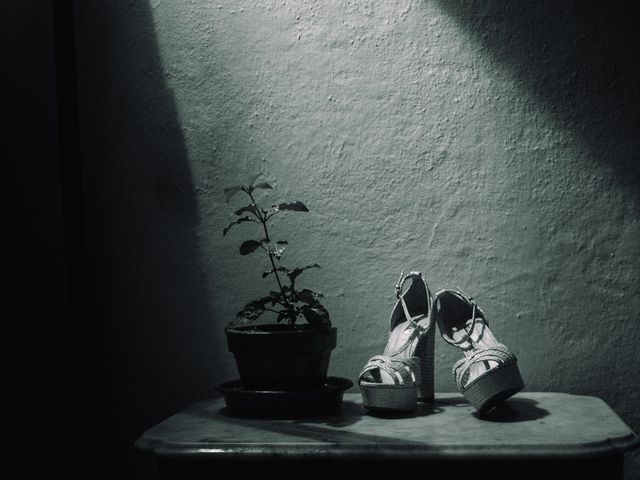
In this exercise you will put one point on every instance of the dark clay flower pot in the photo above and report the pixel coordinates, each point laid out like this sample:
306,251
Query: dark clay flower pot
281,357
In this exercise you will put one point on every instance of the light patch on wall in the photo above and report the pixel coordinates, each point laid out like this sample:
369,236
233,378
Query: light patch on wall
416,144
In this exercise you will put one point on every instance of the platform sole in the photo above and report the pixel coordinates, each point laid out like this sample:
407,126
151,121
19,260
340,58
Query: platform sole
389,397
494,387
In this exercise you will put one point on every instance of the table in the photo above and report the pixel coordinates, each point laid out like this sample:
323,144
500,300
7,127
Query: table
532,435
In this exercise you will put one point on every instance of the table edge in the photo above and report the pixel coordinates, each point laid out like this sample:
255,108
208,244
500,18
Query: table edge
329,450
147,442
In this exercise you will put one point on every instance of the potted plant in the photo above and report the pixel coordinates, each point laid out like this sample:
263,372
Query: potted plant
292,350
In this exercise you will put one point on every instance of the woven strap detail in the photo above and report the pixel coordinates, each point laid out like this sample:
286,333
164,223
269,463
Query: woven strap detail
400,369
498,353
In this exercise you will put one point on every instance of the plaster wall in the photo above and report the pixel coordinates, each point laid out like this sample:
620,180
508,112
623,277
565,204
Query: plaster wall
492,146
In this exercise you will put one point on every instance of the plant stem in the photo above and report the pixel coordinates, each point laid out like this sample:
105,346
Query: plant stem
263,220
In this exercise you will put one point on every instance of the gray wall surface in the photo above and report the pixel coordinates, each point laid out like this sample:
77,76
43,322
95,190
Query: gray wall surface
493,146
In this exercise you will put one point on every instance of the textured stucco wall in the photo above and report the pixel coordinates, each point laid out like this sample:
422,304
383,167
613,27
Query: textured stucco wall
492,145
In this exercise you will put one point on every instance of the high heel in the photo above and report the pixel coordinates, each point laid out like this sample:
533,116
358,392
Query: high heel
395,380
488,373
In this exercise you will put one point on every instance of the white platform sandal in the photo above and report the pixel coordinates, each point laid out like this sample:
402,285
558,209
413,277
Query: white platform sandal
488,374
403,374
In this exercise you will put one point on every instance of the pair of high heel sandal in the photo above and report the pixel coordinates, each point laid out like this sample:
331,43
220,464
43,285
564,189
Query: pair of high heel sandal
404,374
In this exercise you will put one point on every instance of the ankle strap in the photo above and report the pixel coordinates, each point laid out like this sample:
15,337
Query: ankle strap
399,286
475,310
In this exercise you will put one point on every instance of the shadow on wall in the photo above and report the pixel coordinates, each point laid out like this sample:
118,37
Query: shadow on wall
154,325
580,60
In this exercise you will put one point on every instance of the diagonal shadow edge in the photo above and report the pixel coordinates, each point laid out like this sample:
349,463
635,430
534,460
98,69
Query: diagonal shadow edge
579,62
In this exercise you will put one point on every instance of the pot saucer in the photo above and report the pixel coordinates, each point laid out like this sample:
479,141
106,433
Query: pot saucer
284,403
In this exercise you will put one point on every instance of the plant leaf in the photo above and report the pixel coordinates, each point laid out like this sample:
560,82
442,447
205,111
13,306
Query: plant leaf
250,186
297,206
248,247
275,250
274,296
231,191
255,308
309,296
286,314
240,220
317,316
263,186
253,179
250,312
269,272
249,208
270,212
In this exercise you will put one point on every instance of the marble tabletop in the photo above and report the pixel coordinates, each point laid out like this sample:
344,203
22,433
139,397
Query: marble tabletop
530,425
